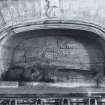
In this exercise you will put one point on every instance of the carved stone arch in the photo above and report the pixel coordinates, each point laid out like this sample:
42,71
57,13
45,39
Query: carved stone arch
75,25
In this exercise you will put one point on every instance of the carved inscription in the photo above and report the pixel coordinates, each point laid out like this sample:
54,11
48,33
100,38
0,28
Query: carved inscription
61,51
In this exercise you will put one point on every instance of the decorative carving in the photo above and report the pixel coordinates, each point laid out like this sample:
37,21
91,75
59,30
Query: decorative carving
20,11
2,22
6,15
52,8
49,9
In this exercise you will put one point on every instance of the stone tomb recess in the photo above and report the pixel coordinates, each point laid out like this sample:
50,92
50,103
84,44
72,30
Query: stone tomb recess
61,55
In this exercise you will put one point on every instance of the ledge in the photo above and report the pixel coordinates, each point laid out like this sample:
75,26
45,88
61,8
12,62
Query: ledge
51,92
32,90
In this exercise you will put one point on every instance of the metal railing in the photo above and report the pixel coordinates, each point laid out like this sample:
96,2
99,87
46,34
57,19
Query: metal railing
54,101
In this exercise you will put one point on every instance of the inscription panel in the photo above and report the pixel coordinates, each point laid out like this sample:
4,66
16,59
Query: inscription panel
61,51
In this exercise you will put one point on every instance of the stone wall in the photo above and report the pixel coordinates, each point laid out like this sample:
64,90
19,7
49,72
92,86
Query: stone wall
58,50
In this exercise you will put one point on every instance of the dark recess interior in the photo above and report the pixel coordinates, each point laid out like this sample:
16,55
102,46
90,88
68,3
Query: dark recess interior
54,55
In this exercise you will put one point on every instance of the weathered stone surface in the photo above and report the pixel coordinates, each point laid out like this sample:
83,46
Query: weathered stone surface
15,12
4,84
19,12
49,47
